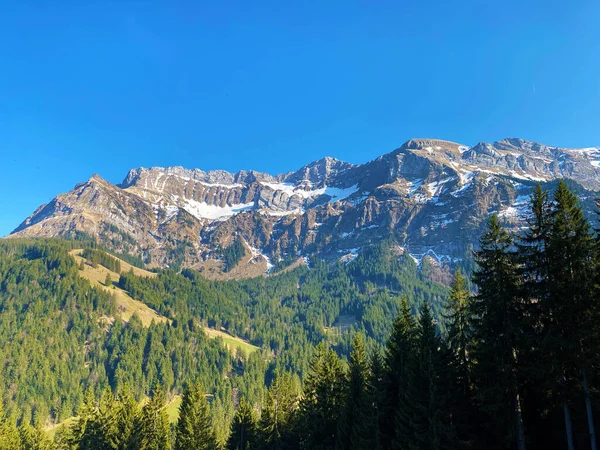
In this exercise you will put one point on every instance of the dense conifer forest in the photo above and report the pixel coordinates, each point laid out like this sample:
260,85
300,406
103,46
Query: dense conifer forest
370,354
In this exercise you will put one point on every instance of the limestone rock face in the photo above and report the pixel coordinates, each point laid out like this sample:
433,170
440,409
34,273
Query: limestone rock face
431,197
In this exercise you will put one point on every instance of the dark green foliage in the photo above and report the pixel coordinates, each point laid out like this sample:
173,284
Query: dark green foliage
151,430
399,350
323,400
424,418
366,434
460,343
194,428
233,255
243,428
96,256
102,424
354,395
496,311
277,416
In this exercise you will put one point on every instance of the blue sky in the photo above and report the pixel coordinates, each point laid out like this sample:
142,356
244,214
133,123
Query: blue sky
100,87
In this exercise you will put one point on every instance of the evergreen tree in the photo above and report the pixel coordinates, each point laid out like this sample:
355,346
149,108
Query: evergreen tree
424,417
101,432
127,411
107,280
323,399
194,428
497,313
399,350
243,428
277,416
152,431
72,436
459,340
569,308
366,435
354,395
9,434
532,246
33,438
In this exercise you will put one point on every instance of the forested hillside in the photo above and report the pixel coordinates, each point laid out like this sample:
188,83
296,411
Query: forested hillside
66,338
369,354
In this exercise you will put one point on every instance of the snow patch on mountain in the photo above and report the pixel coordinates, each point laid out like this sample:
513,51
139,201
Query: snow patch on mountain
202,210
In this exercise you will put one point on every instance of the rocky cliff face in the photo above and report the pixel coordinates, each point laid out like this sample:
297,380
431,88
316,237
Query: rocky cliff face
429,196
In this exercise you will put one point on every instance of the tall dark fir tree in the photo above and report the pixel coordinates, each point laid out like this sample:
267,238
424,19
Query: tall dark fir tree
400,349
497,312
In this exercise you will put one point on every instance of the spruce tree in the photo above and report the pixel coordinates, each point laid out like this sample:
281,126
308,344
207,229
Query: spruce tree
101,432
152,431
33,438
243,428
497,313
459,328
458,318
425,413
532,246
354,395
569,308
276,419
72,437
399,350
194,428
321,405
9,434
127,413
366,435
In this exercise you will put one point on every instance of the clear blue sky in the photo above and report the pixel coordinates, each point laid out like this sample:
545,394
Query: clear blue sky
102,86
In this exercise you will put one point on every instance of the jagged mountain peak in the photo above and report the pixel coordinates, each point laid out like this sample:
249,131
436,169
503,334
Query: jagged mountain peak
320,171
431,195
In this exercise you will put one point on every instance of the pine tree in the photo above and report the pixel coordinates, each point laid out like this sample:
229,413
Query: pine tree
497,315
107,280
399,349
194,428
243,428
323,399
424,416
354,395
152,431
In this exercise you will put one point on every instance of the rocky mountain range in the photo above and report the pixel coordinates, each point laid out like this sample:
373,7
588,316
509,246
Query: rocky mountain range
430,197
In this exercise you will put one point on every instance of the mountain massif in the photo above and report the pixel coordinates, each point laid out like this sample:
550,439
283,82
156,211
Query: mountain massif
430,197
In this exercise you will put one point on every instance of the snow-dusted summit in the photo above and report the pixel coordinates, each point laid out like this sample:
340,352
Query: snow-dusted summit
429,196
